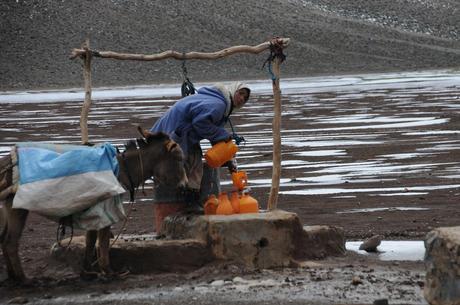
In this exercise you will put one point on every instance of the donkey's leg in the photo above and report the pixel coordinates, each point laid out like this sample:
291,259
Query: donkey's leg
103,236
15,221
90,250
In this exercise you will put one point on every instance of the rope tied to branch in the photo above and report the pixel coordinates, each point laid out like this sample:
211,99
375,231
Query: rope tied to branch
276,51
88,51
95,53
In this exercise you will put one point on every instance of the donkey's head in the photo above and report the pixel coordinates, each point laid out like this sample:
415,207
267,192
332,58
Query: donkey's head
163,158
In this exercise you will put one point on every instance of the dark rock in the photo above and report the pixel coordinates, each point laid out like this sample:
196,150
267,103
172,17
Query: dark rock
371,244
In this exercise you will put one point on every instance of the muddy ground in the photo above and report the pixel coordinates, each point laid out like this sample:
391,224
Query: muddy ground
373,154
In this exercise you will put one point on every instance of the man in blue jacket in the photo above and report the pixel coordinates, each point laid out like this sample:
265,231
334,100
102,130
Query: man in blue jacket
192,119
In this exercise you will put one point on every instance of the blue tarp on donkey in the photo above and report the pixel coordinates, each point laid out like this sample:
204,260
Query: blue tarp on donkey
60,180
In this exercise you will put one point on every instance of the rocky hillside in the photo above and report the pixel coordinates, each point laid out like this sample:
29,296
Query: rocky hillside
327,37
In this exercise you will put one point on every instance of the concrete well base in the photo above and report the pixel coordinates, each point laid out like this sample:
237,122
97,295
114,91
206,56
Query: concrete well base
264,240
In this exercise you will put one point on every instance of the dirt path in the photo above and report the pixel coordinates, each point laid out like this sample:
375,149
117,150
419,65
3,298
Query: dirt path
346,280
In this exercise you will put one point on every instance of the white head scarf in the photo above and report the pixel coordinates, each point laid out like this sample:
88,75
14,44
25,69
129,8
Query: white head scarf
229,91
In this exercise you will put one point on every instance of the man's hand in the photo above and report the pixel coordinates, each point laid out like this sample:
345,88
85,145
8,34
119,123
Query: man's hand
231,165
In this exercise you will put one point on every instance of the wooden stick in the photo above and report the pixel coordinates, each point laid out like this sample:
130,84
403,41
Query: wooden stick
178,55
87,102
276,174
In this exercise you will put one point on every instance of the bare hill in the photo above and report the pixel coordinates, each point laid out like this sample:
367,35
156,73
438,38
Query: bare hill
328,37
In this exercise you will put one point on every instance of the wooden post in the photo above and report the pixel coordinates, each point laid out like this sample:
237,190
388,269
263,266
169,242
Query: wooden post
276,173
87,102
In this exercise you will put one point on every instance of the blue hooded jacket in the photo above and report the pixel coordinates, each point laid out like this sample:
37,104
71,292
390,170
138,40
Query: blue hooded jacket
196,117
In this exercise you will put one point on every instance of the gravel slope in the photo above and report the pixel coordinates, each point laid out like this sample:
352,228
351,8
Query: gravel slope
328,37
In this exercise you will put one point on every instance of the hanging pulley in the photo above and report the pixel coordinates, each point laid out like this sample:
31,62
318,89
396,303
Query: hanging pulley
187,87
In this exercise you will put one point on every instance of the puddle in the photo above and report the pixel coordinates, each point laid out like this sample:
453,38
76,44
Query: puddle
390,250
324,191
403,194
391,209
321,153
405,155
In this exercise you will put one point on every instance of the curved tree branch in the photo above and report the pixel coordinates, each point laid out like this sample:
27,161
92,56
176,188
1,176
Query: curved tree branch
178,55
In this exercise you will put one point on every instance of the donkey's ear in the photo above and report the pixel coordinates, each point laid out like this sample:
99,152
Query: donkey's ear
144,132
171,145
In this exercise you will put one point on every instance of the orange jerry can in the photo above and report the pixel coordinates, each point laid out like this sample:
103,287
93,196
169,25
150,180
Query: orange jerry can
248,204
220,153
240,180
210,206
235,201
225,206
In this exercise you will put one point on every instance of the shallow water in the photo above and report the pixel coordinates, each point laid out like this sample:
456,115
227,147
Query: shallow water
393,250
387,131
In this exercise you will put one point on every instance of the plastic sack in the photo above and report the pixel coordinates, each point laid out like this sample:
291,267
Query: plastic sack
60,180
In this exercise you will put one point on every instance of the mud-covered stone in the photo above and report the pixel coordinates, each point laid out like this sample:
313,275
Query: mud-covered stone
442,260
316,242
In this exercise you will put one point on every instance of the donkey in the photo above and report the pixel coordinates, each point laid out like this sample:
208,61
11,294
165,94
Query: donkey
154,155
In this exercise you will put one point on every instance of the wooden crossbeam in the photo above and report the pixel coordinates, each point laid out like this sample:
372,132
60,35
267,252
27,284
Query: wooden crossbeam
180,56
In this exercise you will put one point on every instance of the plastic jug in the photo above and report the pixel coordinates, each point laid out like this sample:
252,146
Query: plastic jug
220,153
235,201
225,206
248,204
210,206
240,180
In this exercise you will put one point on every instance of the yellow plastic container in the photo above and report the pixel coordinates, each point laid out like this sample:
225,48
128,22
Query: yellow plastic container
210,206
220,153
248,204
240,180
225,206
